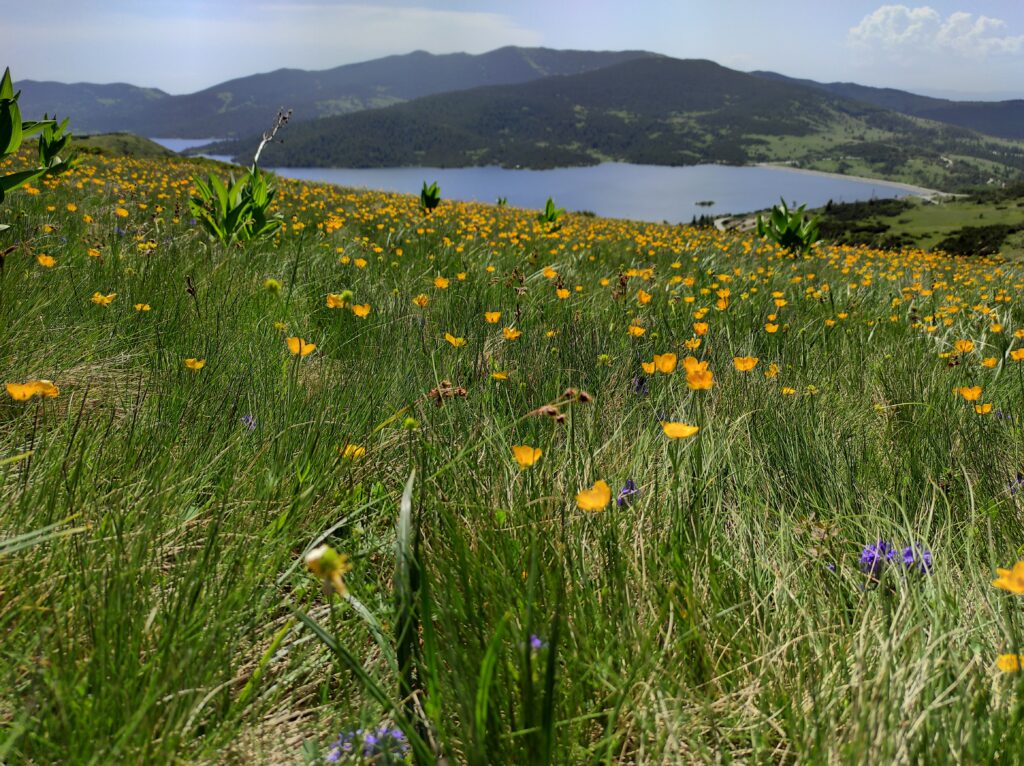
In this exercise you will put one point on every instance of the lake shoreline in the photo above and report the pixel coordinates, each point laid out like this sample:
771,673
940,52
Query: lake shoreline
917,191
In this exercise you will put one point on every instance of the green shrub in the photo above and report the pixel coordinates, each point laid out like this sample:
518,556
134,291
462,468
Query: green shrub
13,131
792,230
430,196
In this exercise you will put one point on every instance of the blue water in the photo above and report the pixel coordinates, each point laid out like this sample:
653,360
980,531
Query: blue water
615,189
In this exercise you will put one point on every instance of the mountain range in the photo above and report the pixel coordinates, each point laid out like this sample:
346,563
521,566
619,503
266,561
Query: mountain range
248,104
650,110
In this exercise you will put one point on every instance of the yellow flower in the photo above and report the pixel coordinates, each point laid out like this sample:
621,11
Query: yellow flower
771,328
649,367
679,430
772,371
700,328
1017,355
421,300
1011,579
665,363
195,364
562,293
983,409
45,261
636,331
335,301
280,326
550,273
1009,663
499,375
351,452
989,361
511,333
963,346
461,276
692,344
359,263
492,317
595,498
299,347
787,391
699,380
526,456
142,307
744,363
103,300
971,394
21,392
92,252
440,283
121,212
642,297
361,310
329,565
457,342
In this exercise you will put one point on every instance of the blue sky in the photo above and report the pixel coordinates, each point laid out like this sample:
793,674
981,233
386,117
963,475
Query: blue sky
957,47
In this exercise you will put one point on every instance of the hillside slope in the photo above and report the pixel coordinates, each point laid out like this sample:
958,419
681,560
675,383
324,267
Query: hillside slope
658,111
1004,119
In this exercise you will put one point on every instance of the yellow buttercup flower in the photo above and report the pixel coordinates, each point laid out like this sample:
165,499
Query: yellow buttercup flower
492,317
963,346
456,342
1011,580
300,347
970,393
1009,663
103,300
595,498
983,409
665,363
989,362
46,261
361,310
1017,355
679,430
636,331
511,333
648,367
744,363
352,452
142,307
21,392
526,456
195,364
421,300
499,376
642,297
440,283
562,293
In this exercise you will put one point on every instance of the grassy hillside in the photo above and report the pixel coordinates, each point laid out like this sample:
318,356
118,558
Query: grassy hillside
632,597
248,104
1003,119
121,144
658,111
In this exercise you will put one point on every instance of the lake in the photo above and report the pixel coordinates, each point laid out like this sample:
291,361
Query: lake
613,189
618,190
181,144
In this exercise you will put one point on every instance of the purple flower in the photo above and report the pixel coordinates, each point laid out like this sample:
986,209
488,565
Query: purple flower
875,556
249,422
626,494
1015,485
918,557
386,745
639,386
535,643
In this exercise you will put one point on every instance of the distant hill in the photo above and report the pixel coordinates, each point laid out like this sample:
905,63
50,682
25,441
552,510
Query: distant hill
121,145
248,104
1004,119
650,110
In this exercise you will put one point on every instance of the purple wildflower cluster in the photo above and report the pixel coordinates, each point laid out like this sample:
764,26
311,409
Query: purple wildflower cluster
629,491
877,556
385,745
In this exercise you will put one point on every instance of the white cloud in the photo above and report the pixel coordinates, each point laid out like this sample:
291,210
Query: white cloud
902,32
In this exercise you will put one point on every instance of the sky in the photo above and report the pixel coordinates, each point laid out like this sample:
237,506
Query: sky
958,48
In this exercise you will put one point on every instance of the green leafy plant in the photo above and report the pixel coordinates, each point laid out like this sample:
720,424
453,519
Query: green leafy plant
430,196
792,230
551,214
53,140
502,201
238,211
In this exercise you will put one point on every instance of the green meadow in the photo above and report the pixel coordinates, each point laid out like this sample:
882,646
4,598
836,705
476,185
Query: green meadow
621,590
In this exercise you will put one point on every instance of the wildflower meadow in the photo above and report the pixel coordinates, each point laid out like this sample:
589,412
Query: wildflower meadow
399,483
